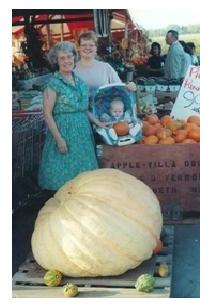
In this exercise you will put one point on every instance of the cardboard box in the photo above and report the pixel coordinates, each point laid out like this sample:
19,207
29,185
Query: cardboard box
172,171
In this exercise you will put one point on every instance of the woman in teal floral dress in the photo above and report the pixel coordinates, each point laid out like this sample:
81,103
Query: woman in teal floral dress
68,148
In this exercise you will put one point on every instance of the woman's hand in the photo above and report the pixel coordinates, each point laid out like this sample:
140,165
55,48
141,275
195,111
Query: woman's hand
131,86
62,146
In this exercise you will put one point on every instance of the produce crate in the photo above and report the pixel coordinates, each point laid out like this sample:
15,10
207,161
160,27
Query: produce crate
172,171
28,281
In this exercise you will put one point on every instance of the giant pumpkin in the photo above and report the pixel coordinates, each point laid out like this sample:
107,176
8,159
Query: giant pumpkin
104,222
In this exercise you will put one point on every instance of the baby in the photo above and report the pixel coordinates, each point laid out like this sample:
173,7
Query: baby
116,113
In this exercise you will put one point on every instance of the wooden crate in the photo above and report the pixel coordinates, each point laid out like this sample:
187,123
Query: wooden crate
172,171
28,281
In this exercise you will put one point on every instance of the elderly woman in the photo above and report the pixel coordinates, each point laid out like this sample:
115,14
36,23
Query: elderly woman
68,148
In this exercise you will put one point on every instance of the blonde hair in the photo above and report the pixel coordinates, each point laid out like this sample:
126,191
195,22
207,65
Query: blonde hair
89,35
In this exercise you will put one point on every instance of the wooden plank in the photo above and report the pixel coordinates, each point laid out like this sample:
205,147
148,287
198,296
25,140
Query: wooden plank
28,281
84,292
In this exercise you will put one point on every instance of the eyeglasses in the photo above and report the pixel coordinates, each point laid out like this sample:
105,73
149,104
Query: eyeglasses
88,45
67,57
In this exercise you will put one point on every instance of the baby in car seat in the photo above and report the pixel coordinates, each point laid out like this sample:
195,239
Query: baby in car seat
116,113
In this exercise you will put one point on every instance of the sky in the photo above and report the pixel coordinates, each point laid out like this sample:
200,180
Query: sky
159,18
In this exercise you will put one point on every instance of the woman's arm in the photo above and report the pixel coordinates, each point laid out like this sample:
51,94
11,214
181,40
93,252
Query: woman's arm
49,101
96,121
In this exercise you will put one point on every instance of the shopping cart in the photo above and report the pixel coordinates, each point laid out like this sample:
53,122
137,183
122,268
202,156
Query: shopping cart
28,132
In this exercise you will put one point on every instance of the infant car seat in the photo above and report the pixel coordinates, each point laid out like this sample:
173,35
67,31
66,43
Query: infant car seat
101,104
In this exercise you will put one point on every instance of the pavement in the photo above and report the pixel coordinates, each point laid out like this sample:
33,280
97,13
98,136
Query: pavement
186,254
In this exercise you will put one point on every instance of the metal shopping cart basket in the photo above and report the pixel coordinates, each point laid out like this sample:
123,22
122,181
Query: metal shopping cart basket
28,132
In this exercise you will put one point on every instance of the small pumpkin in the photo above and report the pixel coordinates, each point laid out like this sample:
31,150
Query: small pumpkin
180,135
145,283
163,270
150,140
194,119
152,118
70,290
190,126
167,140
121,128
194,134
165,119
148,129
175,125
53,278
163,133
187,140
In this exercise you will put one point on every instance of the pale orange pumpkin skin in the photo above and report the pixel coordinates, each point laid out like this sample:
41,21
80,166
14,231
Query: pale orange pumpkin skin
194,134
148,129
163,133
121,128
188,140
151,140
180,135
190,126
194,119
152,119
167,140
165,119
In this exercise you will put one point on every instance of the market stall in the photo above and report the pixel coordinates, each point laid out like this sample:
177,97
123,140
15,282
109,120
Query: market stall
117,224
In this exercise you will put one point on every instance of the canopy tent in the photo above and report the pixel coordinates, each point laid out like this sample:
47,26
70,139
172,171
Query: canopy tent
53,25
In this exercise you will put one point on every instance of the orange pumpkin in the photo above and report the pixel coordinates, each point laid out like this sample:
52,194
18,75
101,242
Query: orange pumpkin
190,126
194,119
187,140
121,128
148,129
175,125
167,140
150,140
163,133
194,134
165,119
158,247
152,118
180,135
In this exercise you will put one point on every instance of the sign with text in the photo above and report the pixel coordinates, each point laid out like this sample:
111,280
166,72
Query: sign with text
188,101
172,171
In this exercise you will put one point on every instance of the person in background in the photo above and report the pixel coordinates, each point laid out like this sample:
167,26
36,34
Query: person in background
155,62
191,48
175,60
187,56
68,148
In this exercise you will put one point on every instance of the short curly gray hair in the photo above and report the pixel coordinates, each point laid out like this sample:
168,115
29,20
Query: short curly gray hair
66,47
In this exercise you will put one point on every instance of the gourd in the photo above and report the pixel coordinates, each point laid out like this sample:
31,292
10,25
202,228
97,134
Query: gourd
104,222
121,128
163,270
70,290
53,278
145,283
